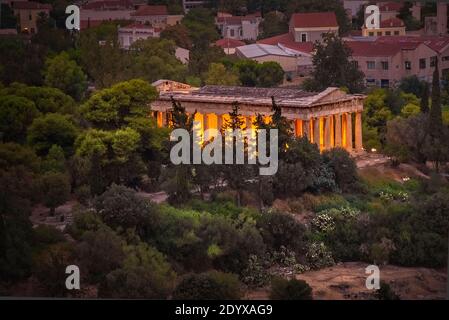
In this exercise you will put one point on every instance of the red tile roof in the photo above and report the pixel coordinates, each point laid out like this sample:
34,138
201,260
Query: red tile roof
314,20
147,10
393,22
123,4
288,41
379,48
390,6
31,5
436,43
229,43
137,25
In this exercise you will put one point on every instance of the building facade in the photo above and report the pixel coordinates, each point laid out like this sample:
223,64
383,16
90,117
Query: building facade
309,27
239,27
389,27
131,33
331,118
28,13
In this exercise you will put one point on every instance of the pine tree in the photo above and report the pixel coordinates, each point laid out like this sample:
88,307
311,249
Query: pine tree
236,175
425,99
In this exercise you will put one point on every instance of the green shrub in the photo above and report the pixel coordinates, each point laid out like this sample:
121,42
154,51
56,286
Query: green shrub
145,274
385,292
280,229
282,289
44,234
212,285
256,274
318,256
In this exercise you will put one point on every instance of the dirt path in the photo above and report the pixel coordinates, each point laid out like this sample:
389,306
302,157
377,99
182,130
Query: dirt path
347,281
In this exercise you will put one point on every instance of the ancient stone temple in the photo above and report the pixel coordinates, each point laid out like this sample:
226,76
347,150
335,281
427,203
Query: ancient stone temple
331,118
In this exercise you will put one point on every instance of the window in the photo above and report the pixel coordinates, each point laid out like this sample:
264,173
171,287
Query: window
388,33
371,34
433,61
355,63
396,33
408,65
232,32
303,37
370,65
445,58
379,33
370,82
384,65
422,63
30,17
384,83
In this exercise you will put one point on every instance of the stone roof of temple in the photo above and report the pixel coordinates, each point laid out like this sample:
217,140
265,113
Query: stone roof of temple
259,96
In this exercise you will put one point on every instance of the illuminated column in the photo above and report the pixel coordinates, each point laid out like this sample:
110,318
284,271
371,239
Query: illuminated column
159,119
358,131
248,122
348,131
306,129
316,132
338,142
299,128
205,126
327,132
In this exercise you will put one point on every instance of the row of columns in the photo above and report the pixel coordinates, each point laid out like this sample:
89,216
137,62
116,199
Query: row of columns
327,132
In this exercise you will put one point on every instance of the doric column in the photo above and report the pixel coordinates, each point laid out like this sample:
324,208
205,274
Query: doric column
249,122
338,130
159,119
219,121
348,131
306,129
327,132
163,119
299,127
358,131
205,126
316,131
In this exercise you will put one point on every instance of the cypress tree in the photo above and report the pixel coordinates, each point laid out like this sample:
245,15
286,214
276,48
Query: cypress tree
425,99
435,116
435,122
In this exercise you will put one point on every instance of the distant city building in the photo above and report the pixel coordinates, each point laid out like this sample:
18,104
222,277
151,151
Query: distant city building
389,10
157,16
386,60
389,27
136,31
309,27
437,25
239,27
264,52
293,62
28,13
191,4
228,45
129,34
92,14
